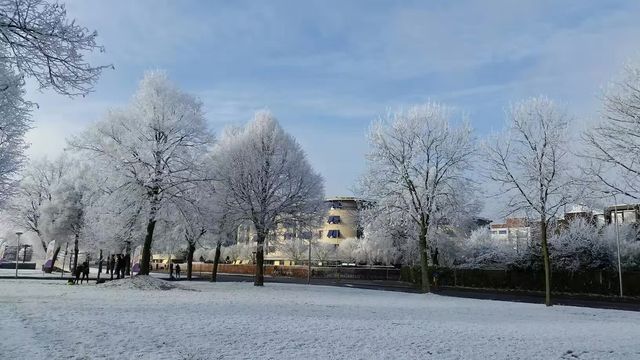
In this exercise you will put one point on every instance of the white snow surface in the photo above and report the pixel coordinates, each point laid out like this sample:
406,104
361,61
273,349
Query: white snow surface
143,282
47,319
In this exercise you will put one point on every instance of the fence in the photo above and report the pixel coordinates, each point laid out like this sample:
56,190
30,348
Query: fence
584,282
587,282
204,269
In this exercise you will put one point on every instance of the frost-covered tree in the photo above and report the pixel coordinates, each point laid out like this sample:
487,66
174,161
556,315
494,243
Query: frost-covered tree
323,252
14,123
580,247
418,163
192,218
613,145
530,162
38,183
64,215
37,41
294,248
629,244
238,252
156,145
350,250
481,250
112,218
267,178
52,199
386,238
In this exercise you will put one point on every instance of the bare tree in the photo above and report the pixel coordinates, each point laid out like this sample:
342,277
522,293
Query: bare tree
268,178
530,162
156,145
37,41
40,42
15,121
613,145
39,180
417,164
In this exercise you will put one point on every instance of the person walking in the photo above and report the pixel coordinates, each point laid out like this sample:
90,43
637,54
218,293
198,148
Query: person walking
112,265
177,271
171,271
100,265
77,274
126,260
118,265
85,271
123,265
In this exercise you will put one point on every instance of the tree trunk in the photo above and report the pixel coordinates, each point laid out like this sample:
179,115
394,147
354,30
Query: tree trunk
75,255
190,250
259,277
216,261
545,259
99,266
53,260
146,248
424,260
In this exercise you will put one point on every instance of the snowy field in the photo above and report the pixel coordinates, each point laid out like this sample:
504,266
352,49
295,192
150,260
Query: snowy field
49,319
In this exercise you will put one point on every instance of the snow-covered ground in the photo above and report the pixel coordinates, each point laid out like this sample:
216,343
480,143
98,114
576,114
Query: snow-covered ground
49,319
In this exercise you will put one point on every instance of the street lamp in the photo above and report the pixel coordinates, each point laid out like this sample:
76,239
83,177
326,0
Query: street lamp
615,209
309,264
18,233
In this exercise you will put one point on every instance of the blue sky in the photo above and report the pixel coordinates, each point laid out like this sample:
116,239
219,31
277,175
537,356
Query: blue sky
326,69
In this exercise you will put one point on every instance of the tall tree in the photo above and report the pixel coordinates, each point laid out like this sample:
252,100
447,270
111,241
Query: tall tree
530,162
156,145
418,162
267,178
36,190
613,145
37,41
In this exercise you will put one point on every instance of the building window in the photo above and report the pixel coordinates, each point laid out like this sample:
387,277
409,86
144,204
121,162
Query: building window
334,220
336,205
502,232
333,234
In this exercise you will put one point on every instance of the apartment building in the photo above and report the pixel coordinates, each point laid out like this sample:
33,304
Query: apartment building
341,220
515,231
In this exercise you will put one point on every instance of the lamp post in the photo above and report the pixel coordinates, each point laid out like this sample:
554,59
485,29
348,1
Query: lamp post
309,265
18,233
615,209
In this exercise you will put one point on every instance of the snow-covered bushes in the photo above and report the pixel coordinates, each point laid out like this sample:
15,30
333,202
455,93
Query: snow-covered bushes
237,252
480,250
629,245
323,252
583,246
579,247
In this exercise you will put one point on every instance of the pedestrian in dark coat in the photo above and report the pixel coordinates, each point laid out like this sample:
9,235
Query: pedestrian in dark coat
78,273
178,271
112,264
126,265
118,265
170,270
85,272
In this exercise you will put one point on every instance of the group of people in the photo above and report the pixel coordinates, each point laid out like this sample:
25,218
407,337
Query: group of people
119,263
177,269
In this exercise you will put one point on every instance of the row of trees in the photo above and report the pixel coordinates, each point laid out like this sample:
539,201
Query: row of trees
153,172
422,162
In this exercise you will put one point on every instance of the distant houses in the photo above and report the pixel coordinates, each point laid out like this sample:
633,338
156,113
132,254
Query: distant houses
517,231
